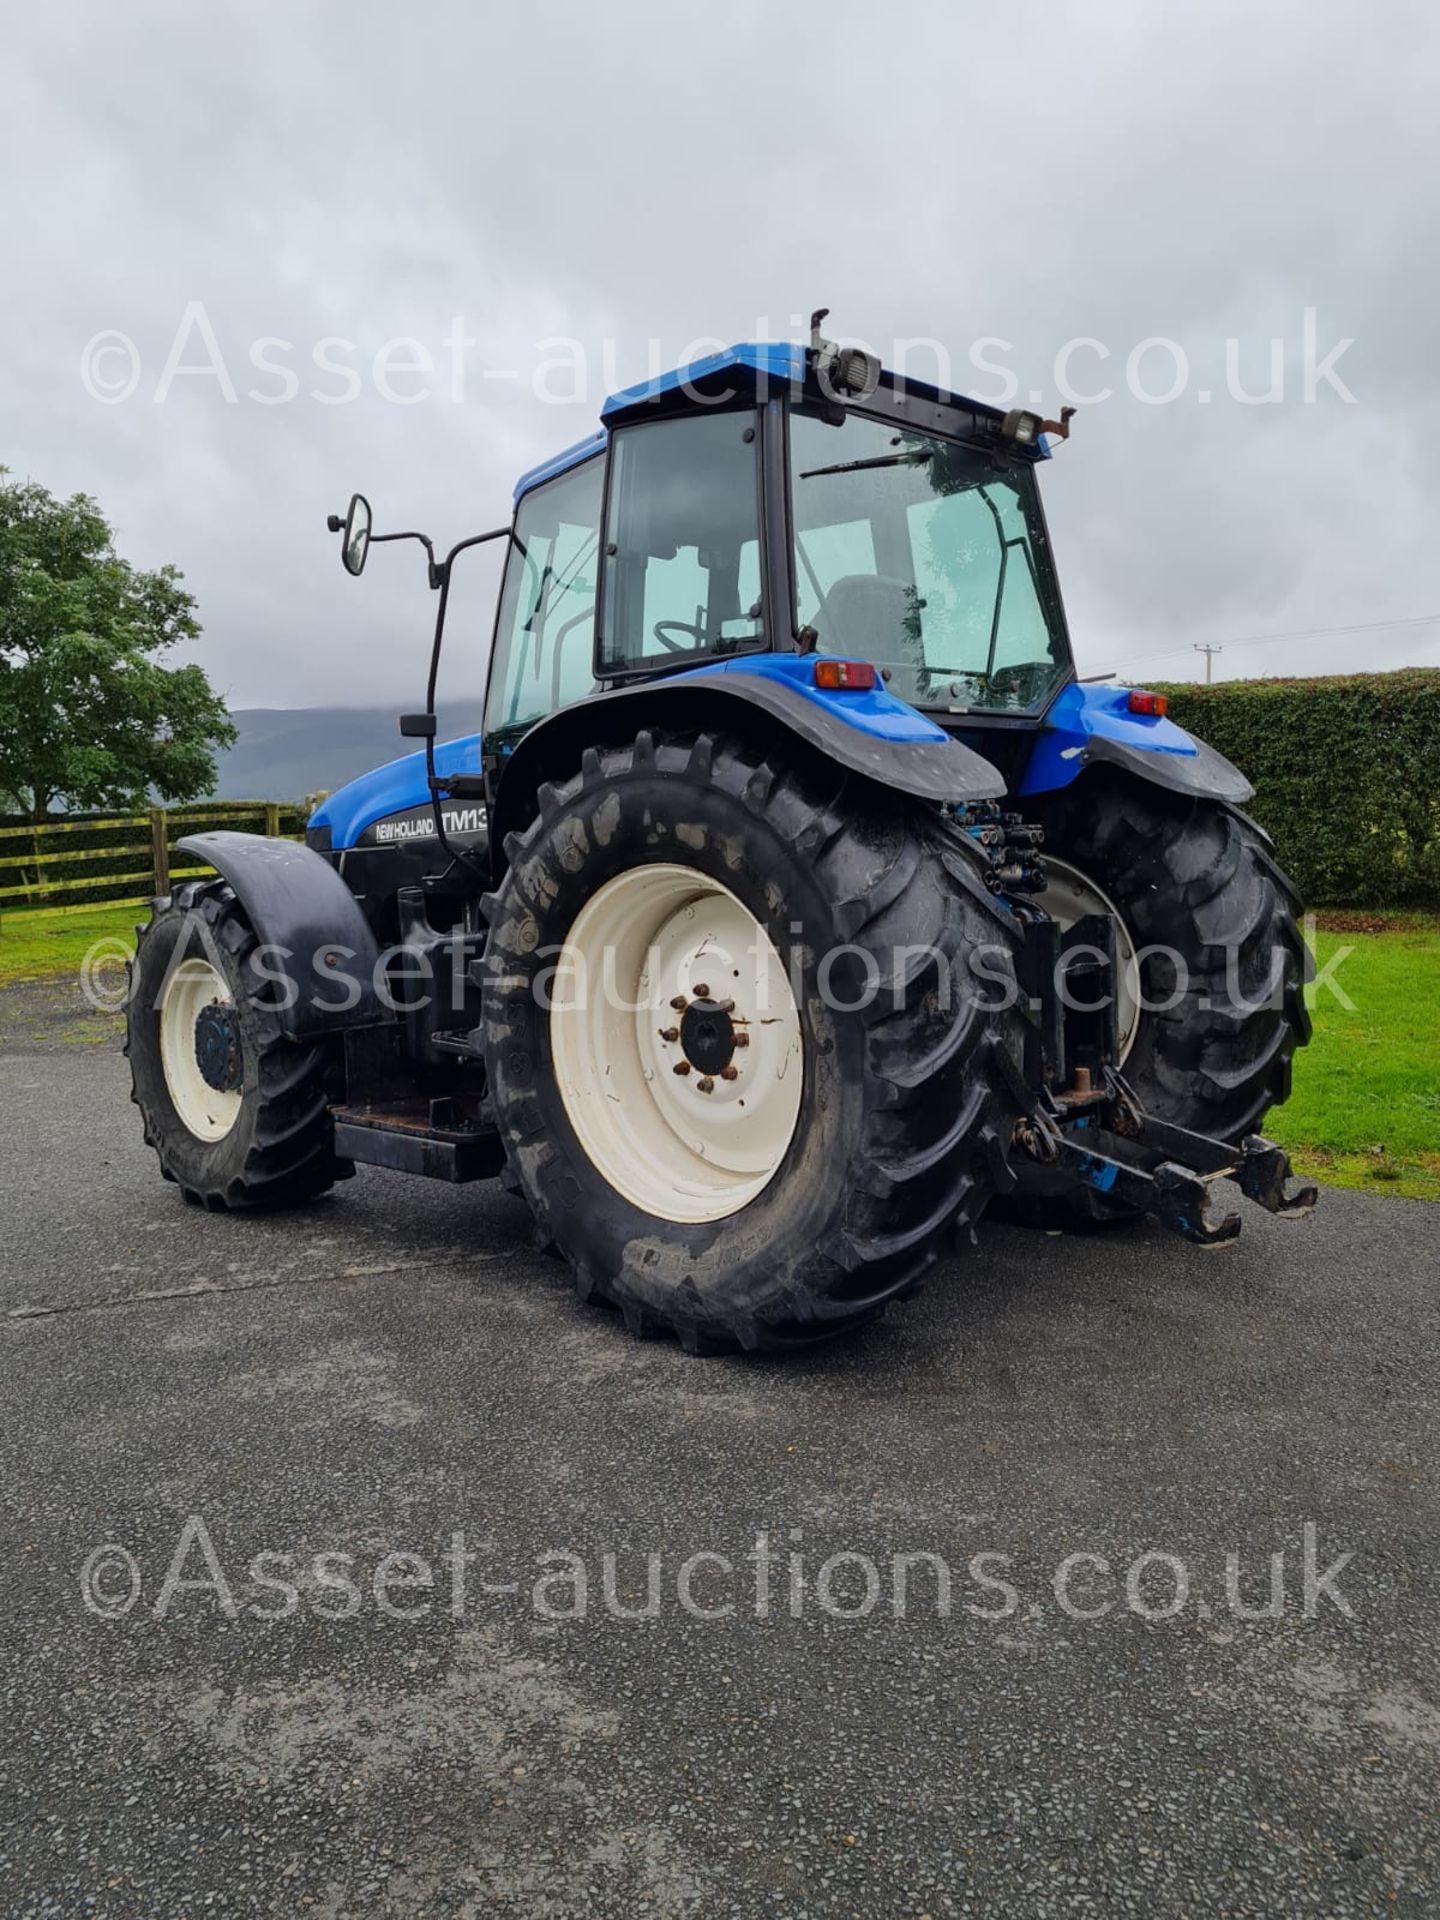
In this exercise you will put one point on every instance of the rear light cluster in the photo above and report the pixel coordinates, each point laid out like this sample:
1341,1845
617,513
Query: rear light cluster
844,676
1154,704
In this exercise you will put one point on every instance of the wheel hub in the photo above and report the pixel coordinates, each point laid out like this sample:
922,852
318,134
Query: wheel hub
217,1048
707,1035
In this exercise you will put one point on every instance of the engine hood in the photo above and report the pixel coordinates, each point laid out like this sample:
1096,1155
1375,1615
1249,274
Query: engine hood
398,785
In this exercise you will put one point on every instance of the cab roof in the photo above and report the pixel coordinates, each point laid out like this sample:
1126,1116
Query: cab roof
752,363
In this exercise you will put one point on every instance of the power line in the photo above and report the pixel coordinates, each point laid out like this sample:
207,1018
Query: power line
1309,633
1209,652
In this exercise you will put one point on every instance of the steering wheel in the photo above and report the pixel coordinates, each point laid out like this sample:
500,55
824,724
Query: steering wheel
694,629
1013,682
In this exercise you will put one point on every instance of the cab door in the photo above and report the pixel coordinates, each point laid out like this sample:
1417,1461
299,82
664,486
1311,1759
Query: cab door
543,656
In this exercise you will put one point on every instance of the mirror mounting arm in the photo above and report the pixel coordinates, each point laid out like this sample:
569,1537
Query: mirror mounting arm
376,539
440,578
358,539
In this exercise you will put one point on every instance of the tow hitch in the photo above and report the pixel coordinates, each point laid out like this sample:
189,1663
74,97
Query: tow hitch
1101,1137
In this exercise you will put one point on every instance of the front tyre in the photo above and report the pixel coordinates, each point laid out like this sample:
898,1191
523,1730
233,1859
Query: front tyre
746,1028
236,1111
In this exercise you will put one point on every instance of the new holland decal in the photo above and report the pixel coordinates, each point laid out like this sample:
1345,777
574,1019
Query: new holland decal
418,823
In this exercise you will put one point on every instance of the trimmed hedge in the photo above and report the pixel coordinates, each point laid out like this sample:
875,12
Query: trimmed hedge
1346,773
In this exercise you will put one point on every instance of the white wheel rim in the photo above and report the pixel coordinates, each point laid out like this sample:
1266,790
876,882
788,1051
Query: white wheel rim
206,1111
1069,895
673,1145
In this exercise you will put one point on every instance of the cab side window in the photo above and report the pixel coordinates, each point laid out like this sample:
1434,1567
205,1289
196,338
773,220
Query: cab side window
682,574
545,635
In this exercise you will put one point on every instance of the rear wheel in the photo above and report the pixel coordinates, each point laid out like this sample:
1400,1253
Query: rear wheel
1211,926
236,1112
745,1029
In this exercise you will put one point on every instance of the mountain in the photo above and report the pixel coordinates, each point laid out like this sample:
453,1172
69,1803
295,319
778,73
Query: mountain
284,753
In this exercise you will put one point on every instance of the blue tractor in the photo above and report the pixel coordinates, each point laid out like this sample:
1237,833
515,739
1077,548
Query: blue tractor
794,902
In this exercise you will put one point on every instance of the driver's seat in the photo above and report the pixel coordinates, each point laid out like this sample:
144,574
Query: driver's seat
872,617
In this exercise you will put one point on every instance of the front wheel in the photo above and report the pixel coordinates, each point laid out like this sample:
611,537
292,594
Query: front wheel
236,1111
745,1027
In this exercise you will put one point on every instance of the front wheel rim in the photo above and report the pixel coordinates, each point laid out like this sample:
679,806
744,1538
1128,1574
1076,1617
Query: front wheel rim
676,1044
193,990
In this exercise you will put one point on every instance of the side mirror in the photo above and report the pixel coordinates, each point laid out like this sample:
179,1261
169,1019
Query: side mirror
355,543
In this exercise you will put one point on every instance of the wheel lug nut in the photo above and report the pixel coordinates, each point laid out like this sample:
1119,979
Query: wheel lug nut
707,1085
702,993
670,1033
682,1066
679,1003
729,1073
742,1039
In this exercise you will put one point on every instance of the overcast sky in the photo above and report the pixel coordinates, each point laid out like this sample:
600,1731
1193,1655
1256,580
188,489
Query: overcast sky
614,173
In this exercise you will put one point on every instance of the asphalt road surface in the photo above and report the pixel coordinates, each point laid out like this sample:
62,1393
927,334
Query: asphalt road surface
395,1367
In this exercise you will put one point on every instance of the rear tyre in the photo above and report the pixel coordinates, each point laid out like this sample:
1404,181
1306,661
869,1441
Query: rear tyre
842,1102
1222,961
236,1112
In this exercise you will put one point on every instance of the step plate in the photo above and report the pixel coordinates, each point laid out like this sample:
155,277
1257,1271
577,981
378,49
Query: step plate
404,1140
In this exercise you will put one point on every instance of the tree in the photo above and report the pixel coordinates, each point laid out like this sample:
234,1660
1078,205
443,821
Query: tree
88,715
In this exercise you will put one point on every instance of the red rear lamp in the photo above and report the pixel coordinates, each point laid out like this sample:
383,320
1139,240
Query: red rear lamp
1154,704
844,676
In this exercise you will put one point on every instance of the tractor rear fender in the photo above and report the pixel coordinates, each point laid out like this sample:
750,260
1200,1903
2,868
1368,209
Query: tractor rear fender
315,943
1089,726
762,698
1207,773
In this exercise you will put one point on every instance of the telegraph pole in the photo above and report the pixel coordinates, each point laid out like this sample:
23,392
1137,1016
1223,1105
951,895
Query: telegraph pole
1209,653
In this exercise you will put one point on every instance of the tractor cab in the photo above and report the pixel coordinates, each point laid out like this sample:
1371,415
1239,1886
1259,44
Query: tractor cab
773,500
753,503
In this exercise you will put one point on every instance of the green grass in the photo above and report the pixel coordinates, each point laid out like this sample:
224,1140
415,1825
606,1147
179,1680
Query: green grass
1365,1111
40,946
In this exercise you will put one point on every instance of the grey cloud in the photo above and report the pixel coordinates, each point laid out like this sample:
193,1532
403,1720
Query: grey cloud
635,172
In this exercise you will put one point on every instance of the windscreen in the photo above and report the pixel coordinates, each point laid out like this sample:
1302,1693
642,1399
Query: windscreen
928,558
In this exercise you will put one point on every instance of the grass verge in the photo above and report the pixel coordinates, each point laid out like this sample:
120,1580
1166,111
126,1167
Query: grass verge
1365,1110
40,946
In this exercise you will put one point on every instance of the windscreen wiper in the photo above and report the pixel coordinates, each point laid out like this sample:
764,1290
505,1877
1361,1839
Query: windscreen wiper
529,626
915,458
561,586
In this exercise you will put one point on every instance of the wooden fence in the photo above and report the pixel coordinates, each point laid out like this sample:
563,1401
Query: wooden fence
80,862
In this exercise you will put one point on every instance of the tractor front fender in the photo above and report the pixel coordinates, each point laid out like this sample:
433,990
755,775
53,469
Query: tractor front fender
316,944
768,696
